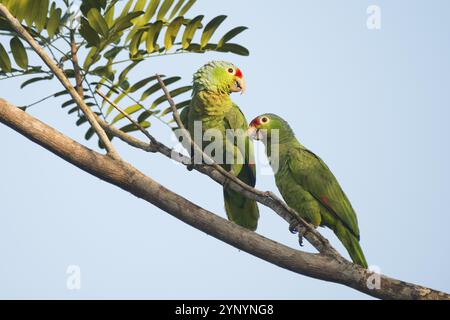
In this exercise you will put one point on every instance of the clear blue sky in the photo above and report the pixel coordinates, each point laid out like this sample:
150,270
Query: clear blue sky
373,104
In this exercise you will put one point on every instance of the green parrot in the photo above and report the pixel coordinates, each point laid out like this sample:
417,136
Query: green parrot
307,184
212,107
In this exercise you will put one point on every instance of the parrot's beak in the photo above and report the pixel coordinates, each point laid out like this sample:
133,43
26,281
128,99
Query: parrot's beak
253,133
239,85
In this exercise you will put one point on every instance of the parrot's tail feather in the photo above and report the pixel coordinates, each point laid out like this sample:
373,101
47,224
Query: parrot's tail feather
241,210
351,243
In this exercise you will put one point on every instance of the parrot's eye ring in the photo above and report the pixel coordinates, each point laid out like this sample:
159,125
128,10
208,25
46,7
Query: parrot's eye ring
264,119
231,70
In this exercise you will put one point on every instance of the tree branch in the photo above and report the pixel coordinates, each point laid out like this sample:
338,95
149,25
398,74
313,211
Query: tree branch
126,115
125,176
76,65
15,24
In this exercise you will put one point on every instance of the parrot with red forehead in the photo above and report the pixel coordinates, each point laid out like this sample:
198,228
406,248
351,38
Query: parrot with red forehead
307,184
211,107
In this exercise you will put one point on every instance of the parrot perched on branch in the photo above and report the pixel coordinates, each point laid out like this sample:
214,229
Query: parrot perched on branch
307,184
212,107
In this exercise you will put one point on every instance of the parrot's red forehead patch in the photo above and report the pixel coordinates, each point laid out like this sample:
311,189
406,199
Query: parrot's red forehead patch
239,73
255,122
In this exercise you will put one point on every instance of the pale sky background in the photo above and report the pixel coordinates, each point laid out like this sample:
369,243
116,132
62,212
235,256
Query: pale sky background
373,104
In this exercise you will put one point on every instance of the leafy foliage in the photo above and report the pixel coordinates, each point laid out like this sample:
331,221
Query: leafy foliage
112,38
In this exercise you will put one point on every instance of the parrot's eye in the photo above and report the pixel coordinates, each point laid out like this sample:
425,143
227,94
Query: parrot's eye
231,70
264,119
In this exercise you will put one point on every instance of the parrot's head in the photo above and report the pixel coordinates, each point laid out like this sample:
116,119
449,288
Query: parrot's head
219,77
263,127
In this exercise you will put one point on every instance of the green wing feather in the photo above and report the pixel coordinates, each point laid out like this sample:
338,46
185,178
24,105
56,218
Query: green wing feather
316,178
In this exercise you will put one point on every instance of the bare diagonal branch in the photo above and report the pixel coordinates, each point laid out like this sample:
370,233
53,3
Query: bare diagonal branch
76,65
125,176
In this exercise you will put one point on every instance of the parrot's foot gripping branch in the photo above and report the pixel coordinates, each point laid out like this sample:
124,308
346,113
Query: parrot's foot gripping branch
294,228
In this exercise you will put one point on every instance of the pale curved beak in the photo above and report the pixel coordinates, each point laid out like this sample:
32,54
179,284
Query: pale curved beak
254,133
239,85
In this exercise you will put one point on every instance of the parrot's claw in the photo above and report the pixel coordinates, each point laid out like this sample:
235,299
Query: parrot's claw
269,194
293,227
300,239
